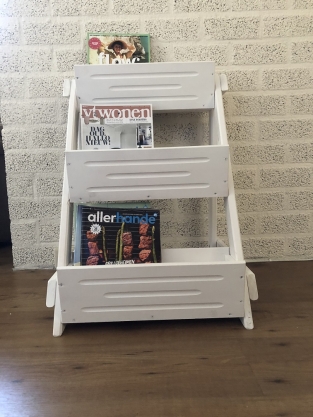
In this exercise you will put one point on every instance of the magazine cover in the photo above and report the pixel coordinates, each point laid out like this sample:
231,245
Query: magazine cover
116,126
110,48
119,235
77,221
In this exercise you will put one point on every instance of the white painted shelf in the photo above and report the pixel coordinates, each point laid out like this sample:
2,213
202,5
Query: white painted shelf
211,282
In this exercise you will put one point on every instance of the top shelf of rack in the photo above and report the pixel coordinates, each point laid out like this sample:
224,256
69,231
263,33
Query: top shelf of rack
168,86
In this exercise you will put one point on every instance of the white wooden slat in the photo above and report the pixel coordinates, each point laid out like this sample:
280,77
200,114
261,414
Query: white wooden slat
145,292
233,226
72,119
65,238
135,174
215,139
167,86
217,117
230,201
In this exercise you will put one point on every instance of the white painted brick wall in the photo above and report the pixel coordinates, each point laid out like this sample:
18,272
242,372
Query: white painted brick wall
265,47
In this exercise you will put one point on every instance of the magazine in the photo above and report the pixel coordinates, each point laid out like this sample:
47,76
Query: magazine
110,48
77,217
116,126
119,236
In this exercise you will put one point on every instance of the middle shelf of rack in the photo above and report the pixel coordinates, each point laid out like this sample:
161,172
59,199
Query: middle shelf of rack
139,174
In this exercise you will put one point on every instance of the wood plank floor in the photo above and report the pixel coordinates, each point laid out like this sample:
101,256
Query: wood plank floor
195,368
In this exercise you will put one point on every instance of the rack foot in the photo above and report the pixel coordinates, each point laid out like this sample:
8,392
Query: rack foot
58,326
247,319
51,290
252,287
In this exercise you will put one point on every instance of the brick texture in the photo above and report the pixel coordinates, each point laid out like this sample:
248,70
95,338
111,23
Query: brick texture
264,47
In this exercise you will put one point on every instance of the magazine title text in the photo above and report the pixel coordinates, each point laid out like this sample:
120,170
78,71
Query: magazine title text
106,112
101,217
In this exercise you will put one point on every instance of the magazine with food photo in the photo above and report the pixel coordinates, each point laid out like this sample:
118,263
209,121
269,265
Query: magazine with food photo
112,236
77,220
110,48
116,126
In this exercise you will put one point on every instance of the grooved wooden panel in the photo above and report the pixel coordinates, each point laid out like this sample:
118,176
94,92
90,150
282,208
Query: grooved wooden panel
152,292
167,87
135,174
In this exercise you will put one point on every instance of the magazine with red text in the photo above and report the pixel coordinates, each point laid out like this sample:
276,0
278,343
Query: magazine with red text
116,126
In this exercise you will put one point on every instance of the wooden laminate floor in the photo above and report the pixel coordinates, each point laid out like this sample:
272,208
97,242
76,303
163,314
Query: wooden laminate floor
195,368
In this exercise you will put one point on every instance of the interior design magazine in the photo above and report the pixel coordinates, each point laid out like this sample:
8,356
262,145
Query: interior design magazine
110,48
116,126
111,236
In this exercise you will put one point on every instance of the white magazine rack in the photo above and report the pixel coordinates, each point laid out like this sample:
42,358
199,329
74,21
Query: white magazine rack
211,282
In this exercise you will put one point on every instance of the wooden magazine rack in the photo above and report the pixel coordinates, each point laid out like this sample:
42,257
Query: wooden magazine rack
211,282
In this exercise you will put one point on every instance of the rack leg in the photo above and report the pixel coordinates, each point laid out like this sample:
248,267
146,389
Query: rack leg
247,319
58,326
252,287
51,291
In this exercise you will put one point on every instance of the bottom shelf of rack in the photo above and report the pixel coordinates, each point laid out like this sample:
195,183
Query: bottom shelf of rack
188,284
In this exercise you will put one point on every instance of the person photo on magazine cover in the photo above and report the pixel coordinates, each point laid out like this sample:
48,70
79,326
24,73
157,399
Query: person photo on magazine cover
122,50
117,49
